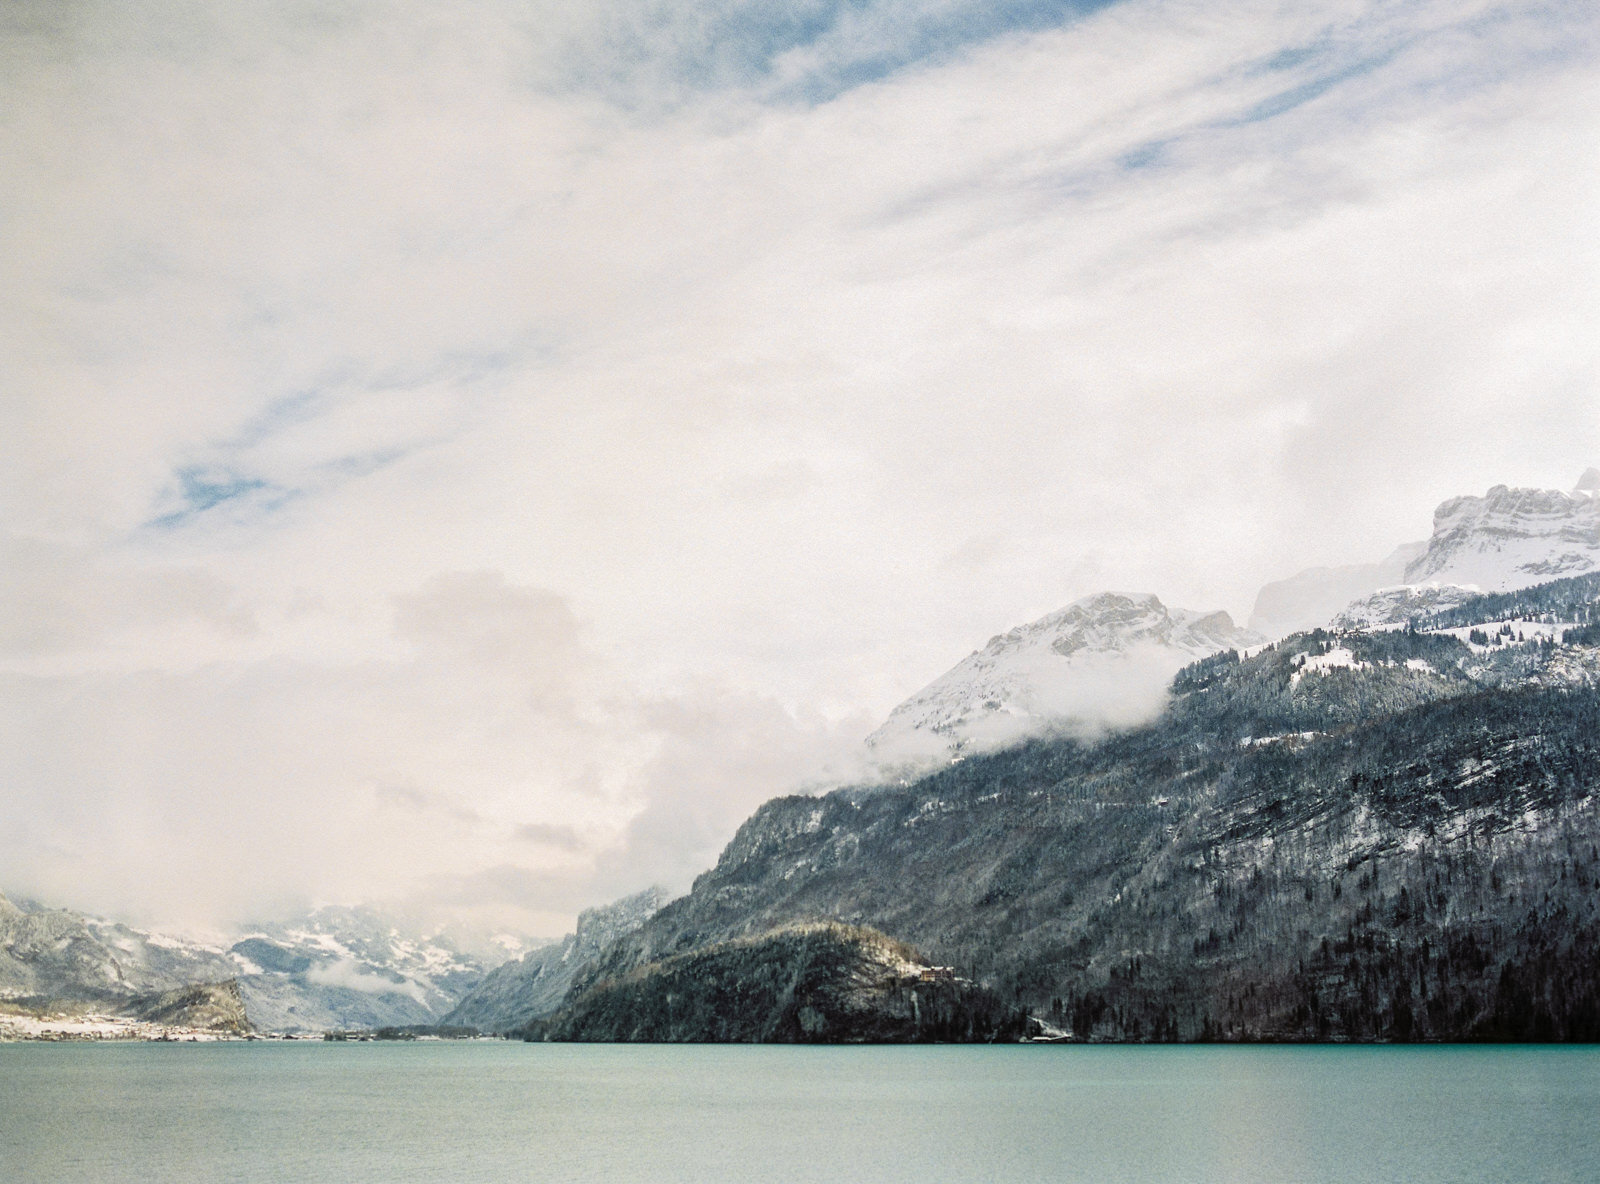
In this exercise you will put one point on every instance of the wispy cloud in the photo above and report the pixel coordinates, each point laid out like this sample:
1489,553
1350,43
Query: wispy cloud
641,52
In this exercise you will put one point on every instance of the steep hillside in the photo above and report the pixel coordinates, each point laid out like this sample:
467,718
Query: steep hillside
57,953
819,983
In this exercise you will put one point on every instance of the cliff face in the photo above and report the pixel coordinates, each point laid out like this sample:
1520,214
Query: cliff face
799,984
1511,538
1389,835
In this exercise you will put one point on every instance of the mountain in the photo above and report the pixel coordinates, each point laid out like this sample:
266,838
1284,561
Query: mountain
338,968
533,986
1354,835
334,968
1311,598
1103,660
59,954
56,961
1506,539
1513,538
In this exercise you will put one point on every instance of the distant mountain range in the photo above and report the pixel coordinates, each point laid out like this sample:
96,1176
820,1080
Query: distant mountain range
334,968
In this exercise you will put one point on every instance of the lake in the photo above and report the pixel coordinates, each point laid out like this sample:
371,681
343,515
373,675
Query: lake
305,1113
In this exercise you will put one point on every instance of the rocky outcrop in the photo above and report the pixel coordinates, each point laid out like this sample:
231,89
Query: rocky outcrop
818,983
1506,540
1511,538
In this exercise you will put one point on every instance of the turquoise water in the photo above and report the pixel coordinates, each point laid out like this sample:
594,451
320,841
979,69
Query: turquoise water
463,1112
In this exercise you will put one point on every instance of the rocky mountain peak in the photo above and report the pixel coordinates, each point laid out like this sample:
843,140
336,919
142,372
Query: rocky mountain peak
1511,538
599,927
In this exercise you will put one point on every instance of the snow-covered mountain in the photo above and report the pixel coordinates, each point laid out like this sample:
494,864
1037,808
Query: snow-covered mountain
1504,540
1103,660
350,968
49,953
1513,538
332,968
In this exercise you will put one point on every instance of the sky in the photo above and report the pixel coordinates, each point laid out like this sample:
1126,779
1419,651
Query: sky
471,455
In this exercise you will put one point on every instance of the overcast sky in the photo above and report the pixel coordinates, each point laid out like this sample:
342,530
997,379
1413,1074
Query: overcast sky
474,453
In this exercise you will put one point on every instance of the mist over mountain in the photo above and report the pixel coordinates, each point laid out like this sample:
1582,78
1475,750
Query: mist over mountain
1383,831
1311,598
1103,661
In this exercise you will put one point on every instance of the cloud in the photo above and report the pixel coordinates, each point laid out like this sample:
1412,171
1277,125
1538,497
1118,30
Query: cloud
640,51
350,975
477,453
63,598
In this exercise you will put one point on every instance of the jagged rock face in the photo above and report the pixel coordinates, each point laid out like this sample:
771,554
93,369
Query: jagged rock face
533,986
818,983
1103,660
1507,539
1511,538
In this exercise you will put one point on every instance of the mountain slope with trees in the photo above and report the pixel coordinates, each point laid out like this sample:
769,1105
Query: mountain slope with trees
1385,835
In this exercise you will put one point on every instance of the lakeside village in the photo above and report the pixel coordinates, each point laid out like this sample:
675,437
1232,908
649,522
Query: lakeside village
79,1027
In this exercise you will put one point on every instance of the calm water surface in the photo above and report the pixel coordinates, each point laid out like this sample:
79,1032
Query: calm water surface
352,1113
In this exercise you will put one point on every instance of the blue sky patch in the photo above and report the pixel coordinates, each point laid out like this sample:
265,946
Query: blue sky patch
201,489
805,50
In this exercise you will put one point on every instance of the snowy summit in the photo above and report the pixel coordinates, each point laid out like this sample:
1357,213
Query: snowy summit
1104,660
1506,539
